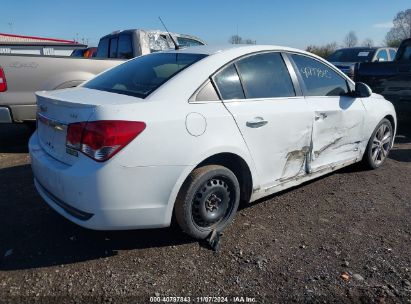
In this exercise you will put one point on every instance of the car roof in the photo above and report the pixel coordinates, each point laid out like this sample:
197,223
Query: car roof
242,48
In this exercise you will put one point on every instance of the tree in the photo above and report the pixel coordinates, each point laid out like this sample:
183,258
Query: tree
323,51
401,28
351,39
250,41
235,39
368,42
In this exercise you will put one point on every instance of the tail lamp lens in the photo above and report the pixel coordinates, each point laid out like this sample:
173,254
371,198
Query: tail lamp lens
3,82
101,140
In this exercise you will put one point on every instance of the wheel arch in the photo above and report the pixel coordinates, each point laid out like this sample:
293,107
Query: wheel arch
240,169
392,121
232,161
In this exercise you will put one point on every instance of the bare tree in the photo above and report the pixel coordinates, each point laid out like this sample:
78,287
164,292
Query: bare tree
250,41
235,39
323,51
401,29
368,42
351,39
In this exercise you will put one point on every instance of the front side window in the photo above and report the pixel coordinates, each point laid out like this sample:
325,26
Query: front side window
228,83
102,49
265,76
319,79
143,75
382,55
125,47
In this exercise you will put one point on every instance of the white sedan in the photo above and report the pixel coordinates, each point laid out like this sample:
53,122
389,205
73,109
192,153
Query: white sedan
189,134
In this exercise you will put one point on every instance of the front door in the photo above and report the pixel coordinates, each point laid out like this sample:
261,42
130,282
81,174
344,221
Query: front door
338,118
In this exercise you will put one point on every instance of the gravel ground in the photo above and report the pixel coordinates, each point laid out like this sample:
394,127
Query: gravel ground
343,238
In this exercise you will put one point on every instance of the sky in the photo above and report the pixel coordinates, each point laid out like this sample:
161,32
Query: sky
294,23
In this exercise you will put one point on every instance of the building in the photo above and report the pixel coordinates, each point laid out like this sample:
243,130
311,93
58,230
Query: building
31,45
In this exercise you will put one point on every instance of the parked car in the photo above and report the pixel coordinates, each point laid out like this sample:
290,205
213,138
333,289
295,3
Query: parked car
85,52
26,74
193,132
345,59
391,79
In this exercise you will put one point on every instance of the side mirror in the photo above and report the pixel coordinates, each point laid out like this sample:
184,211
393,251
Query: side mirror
362,90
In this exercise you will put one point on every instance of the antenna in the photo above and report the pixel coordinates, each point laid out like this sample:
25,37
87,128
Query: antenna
176,47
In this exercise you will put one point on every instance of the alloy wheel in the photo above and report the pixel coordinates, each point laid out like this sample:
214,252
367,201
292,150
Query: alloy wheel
381,144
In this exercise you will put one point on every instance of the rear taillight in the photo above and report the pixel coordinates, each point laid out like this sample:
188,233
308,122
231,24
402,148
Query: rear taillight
101,140
3,82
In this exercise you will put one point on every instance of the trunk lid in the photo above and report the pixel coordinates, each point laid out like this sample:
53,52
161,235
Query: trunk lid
57,109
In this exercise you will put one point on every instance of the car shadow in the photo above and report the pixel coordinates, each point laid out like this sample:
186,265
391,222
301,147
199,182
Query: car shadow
401,155
14,138
32,235
403,133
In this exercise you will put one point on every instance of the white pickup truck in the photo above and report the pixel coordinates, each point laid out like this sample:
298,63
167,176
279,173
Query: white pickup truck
22,75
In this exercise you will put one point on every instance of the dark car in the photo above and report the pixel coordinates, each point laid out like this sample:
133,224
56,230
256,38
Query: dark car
391,79
345,59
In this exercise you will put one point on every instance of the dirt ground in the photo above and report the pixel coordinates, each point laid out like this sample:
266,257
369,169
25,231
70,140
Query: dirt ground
343,238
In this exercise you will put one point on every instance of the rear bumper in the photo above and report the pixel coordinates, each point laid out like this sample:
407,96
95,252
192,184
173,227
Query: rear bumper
5,115
105,196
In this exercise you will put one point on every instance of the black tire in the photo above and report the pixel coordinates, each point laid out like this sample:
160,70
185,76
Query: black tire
207,201
382,150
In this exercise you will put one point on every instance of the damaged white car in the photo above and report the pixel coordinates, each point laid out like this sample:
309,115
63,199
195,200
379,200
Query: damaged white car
192,133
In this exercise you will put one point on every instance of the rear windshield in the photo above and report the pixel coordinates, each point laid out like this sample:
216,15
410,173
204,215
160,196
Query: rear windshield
141,76
352,55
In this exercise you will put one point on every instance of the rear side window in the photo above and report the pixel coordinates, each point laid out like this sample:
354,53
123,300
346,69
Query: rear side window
102,49
125,47
143,75
319,79
228,83
265,76
113,47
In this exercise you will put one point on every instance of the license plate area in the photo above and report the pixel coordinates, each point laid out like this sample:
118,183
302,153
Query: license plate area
52,135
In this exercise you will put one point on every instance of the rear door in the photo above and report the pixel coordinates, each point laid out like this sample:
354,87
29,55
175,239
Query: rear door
337,117
273,117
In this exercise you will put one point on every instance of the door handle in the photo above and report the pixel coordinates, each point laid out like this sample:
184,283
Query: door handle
257,122
320,116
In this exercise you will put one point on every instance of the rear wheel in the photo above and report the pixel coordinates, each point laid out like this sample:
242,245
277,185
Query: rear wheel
207,201
379,145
